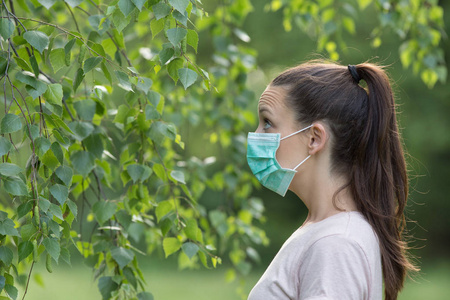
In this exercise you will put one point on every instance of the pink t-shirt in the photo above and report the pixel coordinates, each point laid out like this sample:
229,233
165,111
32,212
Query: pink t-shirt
336,258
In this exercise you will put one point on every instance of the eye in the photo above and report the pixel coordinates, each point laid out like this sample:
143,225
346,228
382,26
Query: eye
267,124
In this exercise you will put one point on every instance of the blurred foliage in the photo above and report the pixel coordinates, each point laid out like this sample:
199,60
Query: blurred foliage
124,130
94,95
419,24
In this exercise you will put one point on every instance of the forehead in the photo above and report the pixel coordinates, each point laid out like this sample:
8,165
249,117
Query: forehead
273,97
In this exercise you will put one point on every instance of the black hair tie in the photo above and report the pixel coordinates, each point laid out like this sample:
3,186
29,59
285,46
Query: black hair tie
354,73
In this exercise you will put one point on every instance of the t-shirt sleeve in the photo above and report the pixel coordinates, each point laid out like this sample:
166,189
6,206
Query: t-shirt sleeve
334,267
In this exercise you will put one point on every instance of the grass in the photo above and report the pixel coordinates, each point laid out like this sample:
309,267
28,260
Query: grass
166,283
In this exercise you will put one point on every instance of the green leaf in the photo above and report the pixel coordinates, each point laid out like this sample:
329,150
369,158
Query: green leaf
192,39
24,250
52,247
163,208
119,20
175,35
174,66
61,123
106,72
129,275
34,65
91,63
139,172
85,109
144,84
37,39
103,211
73,207
23,209
139,3
187,77
56,211
171,245
94,144
10,123
60,192
83,162
2,283
54,93
6,28
106,285
122,256
151,113
178,176
42,145
65,255
67,48
156,101
166,54
156,25
181,18
57,59
145,296
11,290
49,159
37,91
65,174
47,3
80,129
124,81
191,229
57,151
190,249
158,131
165,225
15,186
179,5
73,3
126,6
5,145
22,63
44,204
161,10
7,227
78,79
8,169
6,255
27,231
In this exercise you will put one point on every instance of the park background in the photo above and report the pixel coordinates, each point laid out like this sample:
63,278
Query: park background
425,121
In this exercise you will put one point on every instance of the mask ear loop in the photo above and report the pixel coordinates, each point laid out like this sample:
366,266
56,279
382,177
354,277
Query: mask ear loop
302,162
292,135
296,132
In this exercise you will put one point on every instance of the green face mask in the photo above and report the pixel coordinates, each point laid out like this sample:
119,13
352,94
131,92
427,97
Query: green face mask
261,151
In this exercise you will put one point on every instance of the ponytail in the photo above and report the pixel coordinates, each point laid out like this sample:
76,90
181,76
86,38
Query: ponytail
380,161
369,152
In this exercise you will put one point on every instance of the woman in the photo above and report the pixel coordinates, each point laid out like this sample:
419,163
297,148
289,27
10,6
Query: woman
352,179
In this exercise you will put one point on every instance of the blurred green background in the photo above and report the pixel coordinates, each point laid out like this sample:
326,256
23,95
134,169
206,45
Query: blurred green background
425,121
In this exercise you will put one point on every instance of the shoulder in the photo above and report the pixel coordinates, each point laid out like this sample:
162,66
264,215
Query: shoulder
344,238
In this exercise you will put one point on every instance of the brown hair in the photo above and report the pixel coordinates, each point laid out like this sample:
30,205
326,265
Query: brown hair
366,146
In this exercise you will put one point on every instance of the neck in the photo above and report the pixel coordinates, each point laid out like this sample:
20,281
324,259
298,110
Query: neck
317,192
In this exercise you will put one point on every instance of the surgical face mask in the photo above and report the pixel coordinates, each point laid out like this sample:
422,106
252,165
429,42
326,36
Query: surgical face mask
261,151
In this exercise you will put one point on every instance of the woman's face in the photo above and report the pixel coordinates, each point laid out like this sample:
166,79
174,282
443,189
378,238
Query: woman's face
276,117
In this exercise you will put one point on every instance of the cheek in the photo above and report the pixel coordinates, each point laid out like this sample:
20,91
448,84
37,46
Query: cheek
290,153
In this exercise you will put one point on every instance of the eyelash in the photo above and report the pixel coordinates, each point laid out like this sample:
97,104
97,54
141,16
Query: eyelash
267,122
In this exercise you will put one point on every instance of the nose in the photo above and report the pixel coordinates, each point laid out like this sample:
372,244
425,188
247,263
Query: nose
259,129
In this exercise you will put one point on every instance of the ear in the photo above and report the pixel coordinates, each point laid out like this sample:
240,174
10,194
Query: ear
318,137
